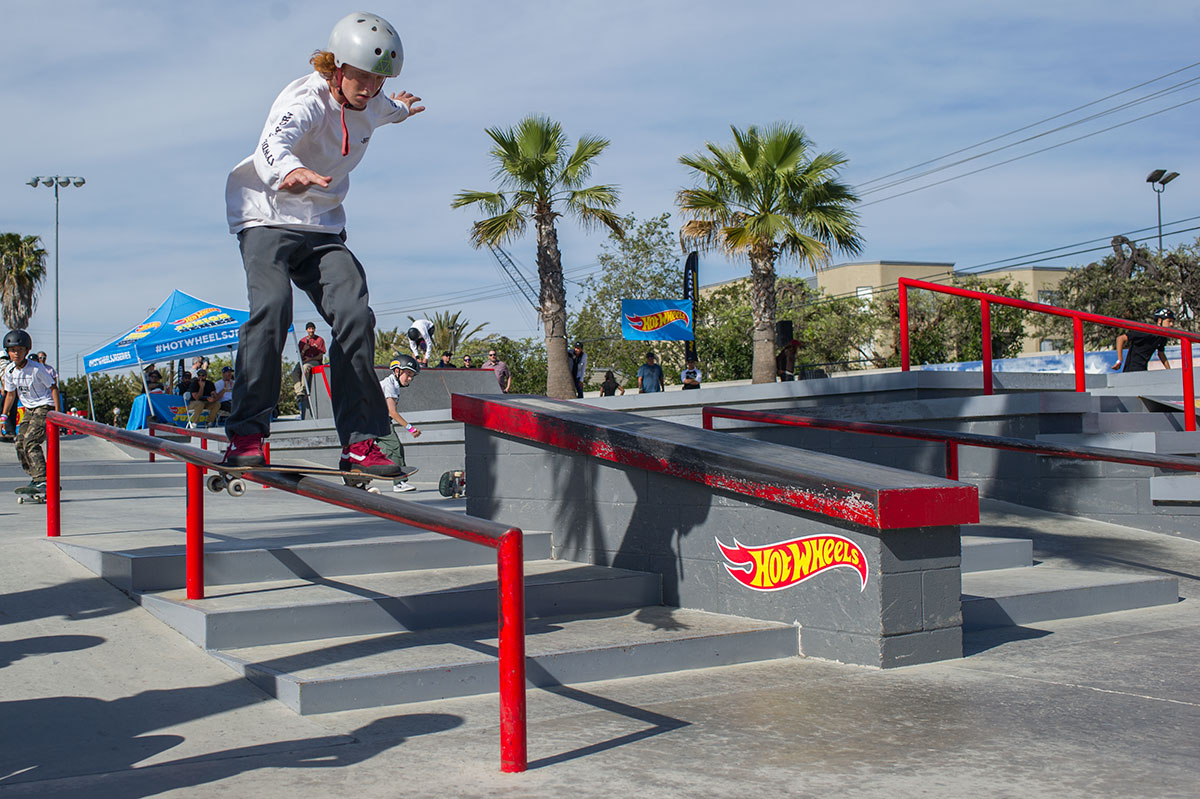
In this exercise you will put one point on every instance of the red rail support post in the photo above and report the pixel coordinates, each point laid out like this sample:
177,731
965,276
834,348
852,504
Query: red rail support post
510,567
53,482
951,460
902,296
1077,343
1189,385
150,432
194,554
985,318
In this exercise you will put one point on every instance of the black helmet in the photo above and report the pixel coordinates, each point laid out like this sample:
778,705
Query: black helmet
1159,313
18,338
406,362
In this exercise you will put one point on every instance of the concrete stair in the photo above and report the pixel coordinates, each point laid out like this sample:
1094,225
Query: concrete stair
1001,587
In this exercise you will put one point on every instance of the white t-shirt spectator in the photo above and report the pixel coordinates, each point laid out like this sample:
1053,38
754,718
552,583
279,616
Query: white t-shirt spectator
225,390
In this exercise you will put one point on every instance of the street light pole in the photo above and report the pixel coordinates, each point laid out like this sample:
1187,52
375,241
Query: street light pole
1158,180
56,181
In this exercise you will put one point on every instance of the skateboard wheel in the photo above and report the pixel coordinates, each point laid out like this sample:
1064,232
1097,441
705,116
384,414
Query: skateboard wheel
236,487
20,500
372,490
215,483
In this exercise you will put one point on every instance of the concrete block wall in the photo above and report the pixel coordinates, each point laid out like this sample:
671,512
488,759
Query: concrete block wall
609,514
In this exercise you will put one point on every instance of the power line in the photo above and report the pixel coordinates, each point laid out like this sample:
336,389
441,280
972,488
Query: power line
1053,146
1029,126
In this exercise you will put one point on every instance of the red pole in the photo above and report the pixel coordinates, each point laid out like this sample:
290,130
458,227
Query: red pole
903,296
706,416
1077,337
510,574
150,432
1189,387
951,460
53,482
985,315
194,555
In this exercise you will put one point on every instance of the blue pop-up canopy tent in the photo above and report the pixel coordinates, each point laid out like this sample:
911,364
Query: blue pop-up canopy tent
183,325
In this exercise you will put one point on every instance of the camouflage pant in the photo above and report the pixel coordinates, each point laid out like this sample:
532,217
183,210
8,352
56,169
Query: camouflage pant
393,449
30,437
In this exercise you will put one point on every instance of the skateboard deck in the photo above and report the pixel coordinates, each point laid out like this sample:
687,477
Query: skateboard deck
228,478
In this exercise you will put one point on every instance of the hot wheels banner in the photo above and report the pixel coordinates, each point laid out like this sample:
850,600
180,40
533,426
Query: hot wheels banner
656,320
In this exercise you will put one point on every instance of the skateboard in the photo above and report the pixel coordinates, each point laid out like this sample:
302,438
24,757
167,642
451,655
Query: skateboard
25,494
229,479
453,484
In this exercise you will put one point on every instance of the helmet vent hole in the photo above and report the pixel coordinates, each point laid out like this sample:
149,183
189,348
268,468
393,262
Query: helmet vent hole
393,54
360,20
378,51
374,28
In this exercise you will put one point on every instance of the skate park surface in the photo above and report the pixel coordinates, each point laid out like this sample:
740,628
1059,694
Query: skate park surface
101,700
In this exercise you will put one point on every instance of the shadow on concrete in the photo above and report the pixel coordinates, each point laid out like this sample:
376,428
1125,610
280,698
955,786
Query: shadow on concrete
78,595
977,641
68,736
12,651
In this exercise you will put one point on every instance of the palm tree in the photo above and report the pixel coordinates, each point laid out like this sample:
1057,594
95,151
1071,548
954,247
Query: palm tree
538,181
450,332
766,198
22,270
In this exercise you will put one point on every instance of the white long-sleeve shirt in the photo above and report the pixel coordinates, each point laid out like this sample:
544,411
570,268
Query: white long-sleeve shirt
304,129
425,328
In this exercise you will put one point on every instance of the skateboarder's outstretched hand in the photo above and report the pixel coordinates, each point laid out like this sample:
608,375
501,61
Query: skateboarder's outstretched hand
407,99
301,178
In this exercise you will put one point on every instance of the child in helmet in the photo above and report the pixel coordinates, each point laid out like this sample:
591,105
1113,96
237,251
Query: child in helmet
403,370
285,205
37,389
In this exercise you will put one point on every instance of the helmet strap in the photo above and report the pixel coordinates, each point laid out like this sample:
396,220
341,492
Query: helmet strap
341,98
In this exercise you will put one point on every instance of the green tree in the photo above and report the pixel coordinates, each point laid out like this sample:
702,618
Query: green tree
642,264
765,198
389,343
943,329
22,270
539,181
1104,288
450,332
108,391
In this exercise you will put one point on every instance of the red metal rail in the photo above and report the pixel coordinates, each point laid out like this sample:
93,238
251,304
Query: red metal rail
205,436
507,541
1077,319
952,440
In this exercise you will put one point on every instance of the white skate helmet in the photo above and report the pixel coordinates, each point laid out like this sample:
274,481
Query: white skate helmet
369,42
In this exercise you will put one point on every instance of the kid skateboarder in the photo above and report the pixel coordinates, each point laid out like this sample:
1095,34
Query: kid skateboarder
404,370
285,205
38,391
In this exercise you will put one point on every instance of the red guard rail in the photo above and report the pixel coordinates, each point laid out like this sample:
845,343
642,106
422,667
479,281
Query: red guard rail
952,440
507,541
1077,319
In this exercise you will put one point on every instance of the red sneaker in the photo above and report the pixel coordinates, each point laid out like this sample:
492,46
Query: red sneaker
245,451
365,456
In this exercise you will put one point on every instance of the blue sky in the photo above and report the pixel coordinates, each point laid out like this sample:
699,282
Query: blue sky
155,102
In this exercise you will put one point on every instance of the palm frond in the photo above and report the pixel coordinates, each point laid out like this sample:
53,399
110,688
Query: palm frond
498,229
579,166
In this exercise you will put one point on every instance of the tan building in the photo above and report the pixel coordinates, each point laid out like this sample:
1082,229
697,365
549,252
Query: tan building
866,279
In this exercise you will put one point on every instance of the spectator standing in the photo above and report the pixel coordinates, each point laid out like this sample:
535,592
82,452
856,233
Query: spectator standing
404,370
185,383
1142,345
154,384
578,362
610,387
503,375
285,203
202,396
444,363
30,382
650,375
690,376
224,389
420,340
41,356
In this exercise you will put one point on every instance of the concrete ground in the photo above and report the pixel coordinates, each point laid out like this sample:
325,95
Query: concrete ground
98,699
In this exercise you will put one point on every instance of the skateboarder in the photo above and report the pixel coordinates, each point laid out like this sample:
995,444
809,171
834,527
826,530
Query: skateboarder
404,371
1142,345
420,340
38,392
284,202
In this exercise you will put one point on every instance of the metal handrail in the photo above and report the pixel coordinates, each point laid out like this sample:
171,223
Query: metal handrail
507,541
952,440
1077,319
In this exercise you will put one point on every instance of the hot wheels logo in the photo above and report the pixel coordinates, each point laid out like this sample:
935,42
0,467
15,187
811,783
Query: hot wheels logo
139,332
656,320
786,563
207,317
